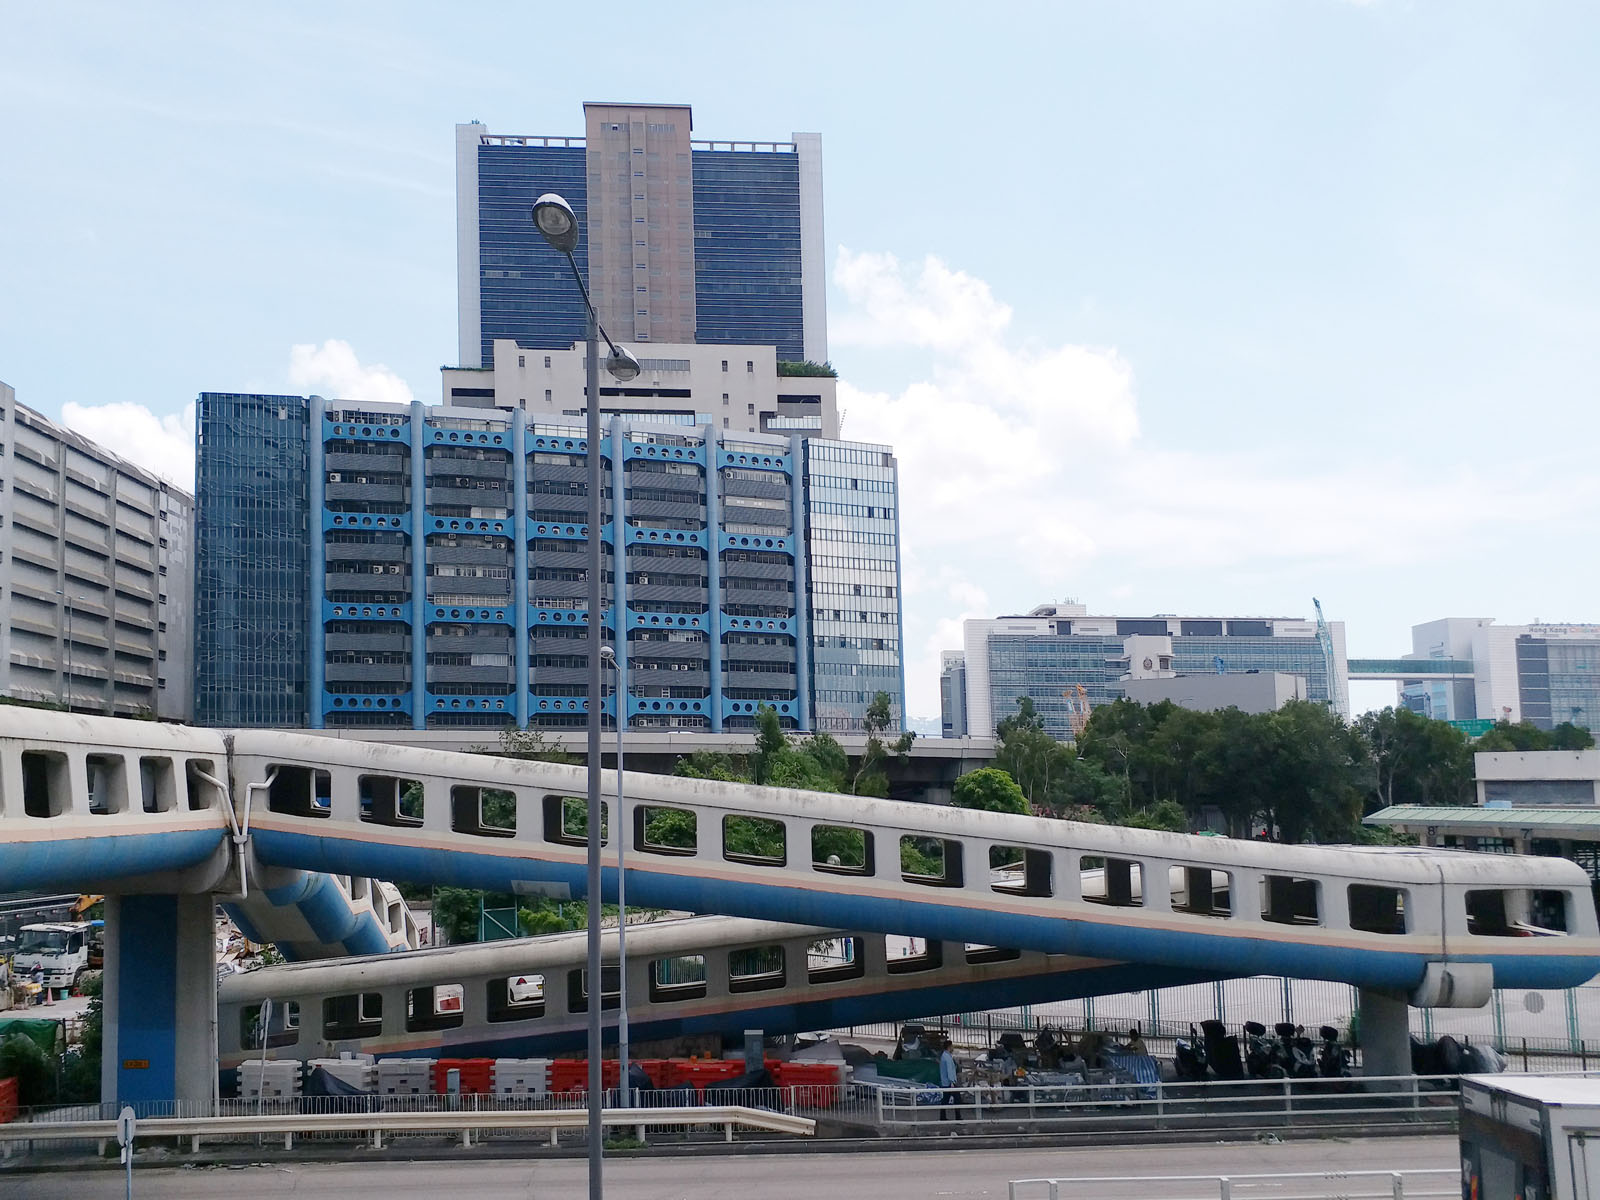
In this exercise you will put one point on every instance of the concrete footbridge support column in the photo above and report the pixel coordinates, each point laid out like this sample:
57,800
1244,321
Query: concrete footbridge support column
160,1000
1385,1032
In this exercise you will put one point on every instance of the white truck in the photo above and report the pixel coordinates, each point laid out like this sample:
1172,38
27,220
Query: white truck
62,951
1530,1137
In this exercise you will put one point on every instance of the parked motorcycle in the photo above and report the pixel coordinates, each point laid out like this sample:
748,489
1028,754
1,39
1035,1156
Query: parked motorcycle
1222,1050
1296,1053
1333,1060
1261,1053
1189,1058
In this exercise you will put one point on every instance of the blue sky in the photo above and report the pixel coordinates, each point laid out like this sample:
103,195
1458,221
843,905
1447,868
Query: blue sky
1194,307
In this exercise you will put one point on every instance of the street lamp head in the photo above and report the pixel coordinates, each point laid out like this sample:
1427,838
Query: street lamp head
607,654
622,365
556,221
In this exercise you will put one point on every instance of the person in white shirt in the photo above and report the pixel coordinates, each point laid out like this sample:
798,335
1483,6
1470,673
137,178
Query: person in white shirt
947,1080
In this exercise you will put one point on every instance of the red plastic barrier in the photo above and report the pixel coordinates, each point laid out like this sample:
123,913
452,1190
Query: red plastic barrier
572,1074
816,1084
477,1075
708,1070
8,1100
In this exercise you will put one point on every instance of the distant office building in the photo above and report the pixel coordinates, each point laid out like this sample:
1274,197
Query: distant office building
94,574
422,566
1251,691
1544,673
1048,654
741,389
684,241
952,694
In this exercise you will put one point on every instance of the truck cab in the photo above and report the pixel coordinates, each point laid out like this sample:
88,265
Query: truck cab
61,951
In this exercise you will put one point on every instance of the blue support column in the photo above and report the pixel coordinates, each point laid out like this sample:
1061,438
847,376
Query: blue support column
519,559
160,1001
802,598
714,571
419,575
317,651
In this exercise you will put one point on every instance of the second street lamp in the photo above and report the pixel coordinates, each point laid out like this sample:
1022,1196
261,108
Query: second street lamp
558,225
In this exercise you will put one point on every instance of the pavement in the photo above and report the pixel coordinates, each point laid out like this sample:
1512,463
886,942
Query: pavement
880,1175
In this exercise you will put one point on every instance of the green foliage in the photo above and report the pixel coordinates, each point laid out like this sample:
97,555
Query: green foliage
455,914
1164,814
710,764
671,827
989,789
33,1068
791,369
532,744
1525,737
1416,760
871,776
80,1066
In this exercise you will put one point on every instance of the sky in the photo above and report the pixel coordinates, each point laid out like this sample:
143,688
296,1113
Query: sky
1193,307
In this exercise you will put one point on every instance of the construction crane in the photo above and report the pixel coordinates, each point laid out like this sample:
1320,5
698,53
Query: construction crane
1325,640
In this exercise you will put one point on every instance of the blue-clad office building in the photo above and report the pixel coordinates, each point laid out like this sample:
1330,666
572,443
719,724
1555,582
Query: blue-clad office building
424,566
685,241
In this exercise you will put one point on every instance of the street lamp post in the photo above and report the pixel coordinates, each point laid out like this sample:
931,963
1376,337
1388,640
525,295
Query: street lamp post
609,655
558,225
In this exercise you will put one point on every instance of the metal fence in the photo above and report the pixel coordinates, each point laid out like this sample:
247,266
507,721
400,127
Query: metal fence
1297,1185
1425,1103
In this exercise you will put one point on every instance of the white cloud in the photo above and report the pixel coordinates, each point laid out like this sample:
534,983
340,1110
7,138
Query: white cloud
1024,477
333,370
163,445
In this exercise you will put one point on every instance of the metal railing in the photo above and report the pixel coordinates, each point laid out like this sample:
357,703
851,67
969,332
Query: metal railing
1426,1101
1324,1185
464,1122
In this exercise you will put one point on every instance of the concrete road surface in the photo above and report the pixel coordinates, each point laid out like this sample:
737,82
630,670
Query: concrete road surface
874,1175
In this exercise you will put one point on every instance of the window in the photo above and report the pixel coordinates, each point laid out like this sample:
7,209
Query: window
517,997
724,365
1114,881
755,969
1204,892
547,397
751,409
908,955
753,839
566,820
841,850
680,978
1290,901
486,812
522,360
933,861
546,360
1377,909
724,397
750,367
665,830
433,1008
578,990
835,960
283,1025
354,1016
1019,871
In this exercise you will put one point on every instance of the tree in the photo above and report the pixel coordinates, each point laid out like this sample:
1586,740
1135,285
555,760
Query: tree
1525,737
455,914
871,777
770,742
1567,736
532,744
1030,755
1416,760
989,789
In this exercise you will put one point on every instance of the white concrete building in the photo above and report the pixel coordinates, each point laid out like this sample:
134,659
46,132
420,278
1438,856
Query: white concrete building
94,574
736,388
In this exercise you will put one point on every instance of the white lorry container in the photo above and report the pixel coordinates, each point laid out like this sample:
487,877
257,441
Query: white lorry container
1530,1137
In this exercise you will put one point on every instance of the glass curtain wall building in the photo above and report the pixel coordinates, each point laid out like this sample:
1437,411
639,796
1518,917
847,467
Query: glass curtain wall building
439,563
715,242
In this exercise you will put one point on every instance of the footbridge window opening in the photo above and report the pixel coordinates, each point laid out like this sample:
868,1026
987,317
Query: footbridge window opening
658,830
269,1026
46,784
909,955
436,1007
930,861
679,978
1375,908
979,954
841,850
1203,892
517,997
200,793
158,784
1503,912
1020,871
755,969
1118,882
390,800
300,791
359,1015
566,820
759,840
483,812
1547,909
107,778
833,960
1291,900
578,990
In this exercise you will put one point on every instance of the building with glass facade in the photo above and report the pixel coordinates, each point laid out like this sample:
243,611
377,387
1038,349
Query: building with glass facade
684,241
94,574
416,566
1054,650
1543,673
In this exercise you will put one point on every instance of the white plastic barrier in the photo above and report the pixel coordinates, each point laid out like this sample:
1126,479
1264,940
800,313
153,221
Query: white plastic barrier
405,1076
521,1076
357,1070
272,1079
